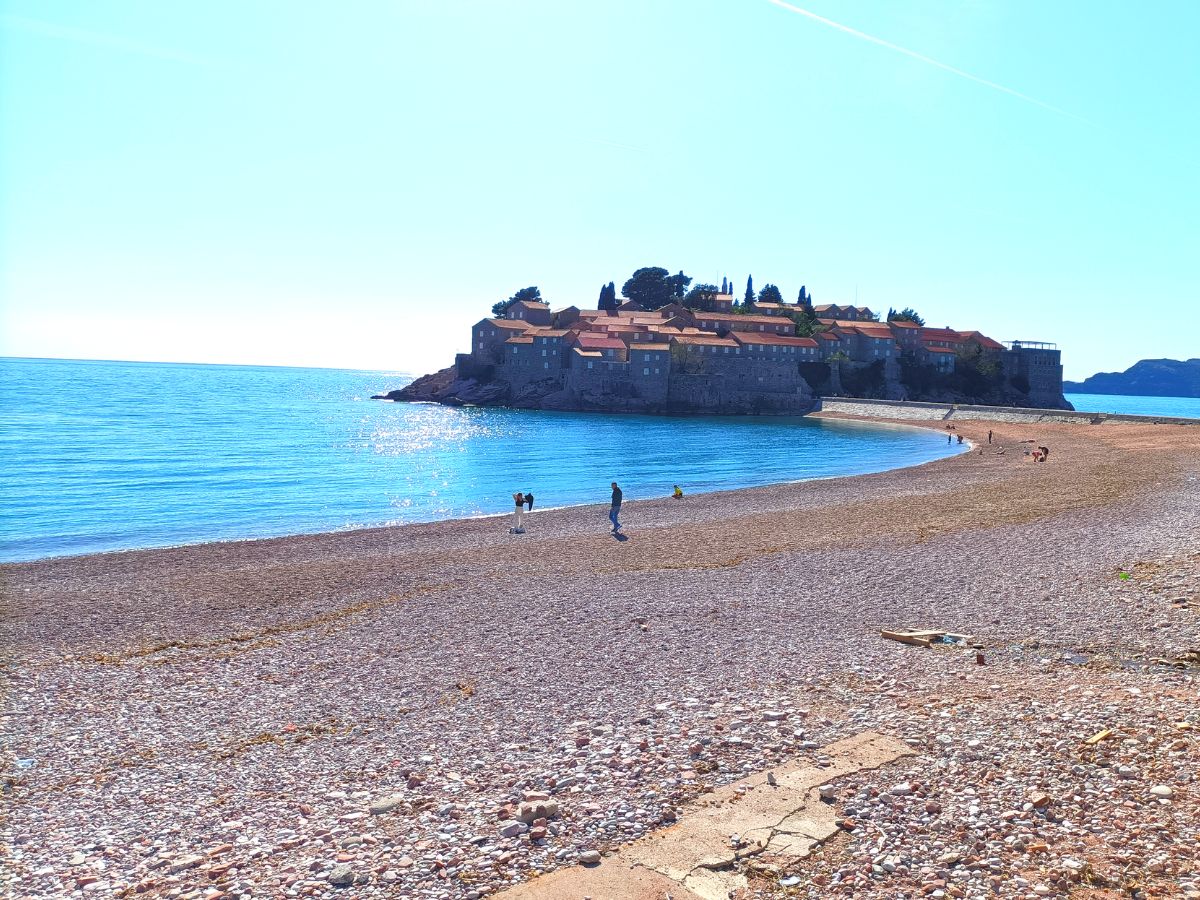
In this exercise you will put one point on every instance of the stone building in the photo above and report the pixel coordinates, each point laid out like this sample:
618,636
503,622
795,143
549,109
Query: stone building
676,358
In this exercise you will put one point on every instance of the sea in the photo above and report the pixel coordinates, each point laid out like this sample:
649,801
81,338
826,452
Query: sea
1181,407
100,456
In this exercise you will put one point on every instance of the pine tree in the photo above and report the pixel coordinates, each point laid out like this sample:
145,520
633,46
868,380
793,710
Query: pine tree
748,300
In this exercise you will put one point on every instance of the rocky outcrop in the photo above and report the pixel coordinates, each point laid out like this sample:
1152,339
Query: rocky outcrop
450,388
447,387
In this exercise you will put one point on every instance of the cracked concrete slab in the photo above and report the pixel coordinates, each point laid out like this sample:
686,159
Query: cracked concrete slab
696,858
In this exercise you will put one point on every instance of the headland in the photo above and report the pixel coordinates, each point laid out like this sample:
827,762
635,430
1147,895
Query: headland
364,713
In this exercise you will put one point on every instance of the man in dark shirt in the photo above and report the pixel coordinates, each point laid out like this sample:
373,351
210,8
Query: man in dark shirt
616,509
529,501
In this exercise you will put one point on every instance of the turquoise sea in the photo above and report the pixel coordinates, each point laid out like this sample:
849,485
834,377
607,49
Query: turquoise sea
104,456
1181,407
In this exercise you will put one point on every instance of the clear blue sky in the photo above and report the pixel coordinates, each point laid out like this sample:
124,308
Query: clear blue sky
354,184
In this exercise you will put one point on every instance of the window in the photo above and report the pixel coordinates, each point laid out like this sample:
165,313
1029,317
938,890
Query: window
545,365
645,371
657,371
514,349
543,352
589,363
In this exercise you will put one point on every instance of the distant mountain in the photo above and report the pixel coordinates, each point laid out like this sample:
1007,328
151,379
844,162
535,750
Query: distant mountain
1148,378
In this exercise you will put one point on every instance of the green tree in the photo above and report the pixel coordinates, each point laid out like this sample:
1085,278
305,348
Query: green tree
724,285
749,298
679,284
908,314
770,294
650,287
531,294
700,296
608,297
806,322
803,299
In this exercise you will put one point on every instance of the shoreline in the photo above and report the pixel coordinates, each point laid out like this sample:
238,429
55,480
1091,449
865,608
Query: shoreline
879,423
266,717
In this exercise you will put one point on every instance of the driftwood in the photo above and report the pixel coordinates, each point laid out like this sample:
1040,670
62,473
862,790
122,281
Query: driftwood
926,637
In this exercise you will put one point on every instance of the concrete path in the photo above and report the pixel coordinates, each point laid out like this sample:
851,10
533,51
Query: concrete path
696,859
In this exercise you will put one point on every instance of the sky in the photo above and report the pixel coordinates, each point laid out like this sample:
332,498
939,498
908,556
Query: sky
354,184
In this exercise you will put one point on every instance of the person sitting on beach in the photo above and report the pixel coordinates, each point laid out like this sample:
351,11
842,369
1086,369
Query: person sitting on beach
678,495
519,499
1045,452
529,501
960,438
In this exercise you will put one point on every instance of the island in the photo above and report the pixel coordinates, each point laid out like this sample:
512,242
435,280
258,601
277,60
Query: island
1145,378
666,349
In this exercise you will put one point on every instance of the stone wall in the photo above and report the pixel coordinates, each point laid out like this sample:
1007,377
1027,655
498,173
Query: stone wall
949,412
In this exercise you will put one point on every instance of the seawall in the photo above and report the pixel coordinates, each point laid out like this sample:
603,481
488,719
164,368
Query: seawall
949,412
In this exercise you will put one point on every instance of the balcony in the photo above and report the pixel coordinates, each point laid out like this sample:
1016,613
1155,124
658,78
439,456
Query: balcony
1029,345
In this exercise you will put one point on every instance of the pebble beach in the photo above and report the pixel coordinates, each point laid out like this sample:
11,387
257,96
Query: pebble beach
447,711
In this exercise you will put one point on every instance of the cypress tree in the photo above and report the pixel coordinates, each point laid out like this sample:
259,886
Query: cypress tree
724,286
748,300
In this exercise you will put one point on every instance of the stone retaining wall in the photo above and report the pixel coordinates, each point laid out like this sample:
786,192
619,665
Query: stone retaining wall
949,412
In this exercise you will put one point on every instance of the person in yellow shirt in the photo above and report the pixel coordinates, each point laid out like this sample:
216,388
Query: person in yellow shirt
678,495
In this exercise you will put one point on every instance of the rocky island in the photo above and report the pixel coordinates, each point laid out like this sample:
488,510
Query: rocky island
663,350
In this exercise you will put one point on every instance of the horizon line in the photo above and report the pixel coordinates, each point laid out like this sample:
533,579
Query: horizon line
183,362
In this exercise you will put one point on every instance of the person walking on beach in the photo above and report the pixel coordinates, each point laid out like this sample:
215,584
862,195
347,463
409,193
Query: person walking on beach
528,501
616,509
519,499
989,435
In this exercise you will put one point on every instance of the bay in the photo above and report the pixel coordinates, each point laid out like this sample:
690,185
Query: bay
101,456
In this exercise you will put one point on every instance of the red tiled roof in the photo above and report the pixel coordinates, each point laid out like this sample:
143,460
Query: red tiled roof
942,334
532,304
734,317
929,349
983,340
592,341
703,340
654,348
520,339
782,340
511,324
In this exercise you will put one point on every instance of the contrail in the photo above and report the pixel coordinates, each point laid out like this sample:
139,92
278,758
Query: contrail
922,57
108,41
